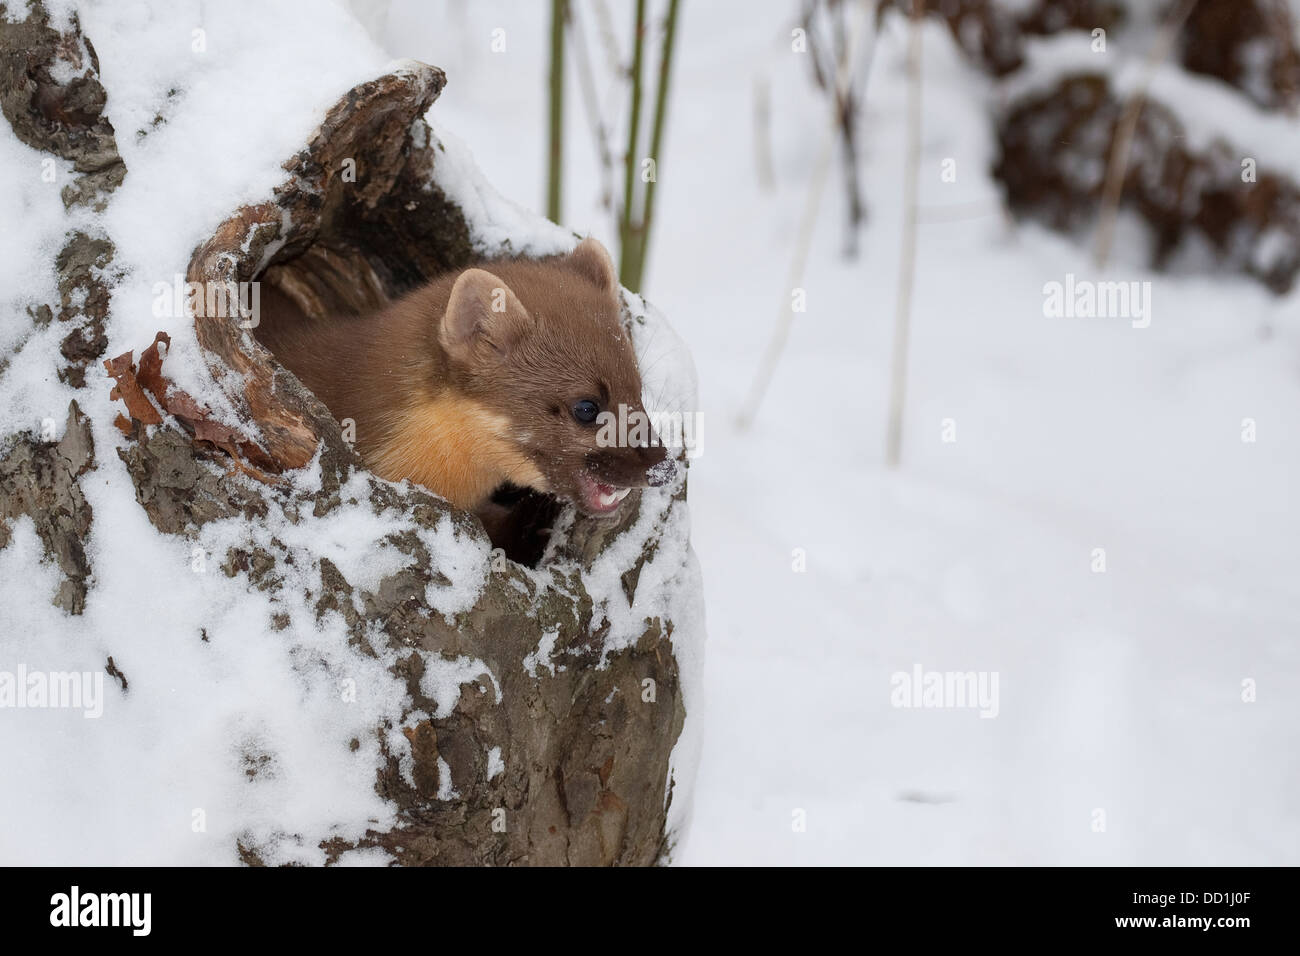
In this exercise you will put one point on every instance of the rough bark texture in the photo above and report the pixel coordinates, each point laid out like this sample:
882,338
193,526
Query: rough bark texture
65,119
586,742
39,479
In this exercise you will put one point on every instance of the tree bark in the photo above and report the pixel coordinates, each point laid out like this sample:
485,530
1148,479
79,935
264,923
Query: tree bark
564,763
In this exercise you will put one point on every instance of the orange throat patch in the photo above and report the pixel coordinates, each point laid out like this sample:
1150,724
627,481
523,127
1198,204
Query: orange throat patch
454,447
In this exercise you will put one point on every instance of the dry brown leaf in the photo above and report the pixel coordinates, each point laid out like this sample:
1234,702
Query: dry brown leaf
133,382
128,390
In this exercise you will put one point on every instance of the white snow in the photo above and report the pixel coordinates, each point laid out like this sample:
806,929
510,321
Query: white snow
465,562
1119,691
242,706
442,680
541,656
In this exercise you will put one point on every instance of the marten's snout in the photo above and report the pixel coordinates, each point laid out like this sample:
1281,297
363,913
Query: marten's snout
633,467
650,465
610,475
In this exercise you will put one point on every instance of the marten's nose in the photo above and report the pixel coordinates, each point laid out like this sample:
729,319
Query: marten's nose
662,473
659,468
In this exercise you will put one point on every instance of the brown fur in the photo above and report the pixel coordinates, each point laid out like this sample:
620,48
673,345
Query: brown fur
468,382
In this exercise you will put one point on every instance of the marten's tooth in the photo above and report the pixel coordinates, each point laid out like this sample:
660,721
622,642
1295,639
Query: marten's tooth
614,497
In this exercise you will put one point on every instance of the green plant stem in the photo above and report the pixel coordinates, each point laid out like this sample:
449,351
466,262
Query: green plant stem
555,166
641,231
629,162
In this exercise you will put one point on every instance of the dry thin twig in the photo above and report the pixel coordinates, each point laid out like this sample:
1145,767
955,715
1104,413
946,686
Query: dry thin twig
907,244
763,133
1117,167
785,317
591,101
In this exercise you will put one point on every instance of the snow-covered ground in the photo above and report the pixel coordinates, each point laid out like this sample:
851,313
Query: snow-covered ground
1119,691
1120,735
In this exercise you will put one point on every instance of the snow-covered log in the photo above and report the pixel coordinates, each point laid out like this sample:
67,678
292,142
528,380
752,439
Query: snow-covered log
304,663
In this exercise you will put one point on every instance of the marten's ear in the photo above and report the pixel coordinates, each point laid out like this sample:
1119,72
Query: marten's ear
591,261
484,318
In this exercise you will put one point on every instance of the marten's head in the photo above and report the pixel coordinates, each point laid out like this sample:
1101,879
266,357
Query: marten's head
541,344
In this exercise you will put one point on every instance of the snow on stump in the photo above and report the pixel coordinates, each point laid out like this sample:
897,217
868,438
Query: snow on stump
431,701
529,738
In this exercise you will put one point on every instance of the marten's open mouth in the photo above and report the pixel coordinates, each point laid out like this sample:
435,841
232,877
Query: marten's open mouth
598,498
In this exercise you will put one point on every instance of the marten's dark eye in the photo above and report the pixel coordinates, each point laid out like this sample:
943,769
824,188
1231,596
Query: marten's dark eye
585,411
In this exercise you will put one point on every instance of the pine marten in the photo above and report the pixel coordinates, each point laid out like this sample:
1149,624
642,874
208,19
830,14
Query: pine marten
492,375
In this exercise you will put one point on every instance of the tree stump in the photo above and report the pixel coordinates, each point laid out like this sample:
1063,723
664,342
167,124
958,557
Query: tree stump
537,707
